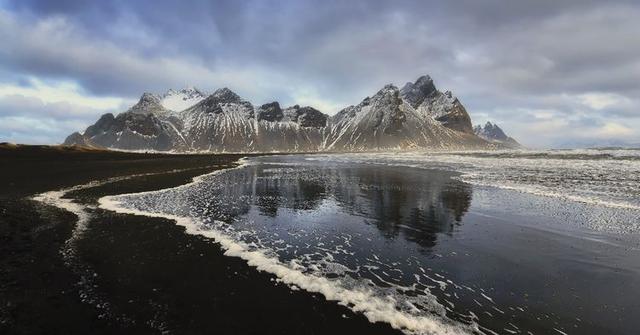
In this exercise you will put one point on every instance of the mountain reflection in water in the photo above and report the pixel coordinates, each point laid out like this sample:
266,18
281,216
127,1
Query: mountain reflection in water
415,204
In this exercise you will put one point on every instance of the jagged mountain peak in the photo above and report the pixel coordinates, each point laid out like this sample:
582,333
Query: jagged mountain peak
306,116
188,91
416,93
491,130
388,97
424,84
226,95
270,112
149,97
493,133
389,92
490,125
424,79
214,102
148,103
442,107
191,89
388,88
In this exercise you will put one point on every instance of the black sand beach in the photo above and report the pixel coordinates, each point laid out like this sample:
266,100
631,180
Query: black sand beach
144,275
443,253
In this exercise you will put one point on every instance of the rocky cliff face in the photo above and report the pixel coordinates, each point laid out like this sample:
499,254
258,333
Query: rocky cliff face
418,116
225,122
270,112
443,107
492,133
306,116
148,103
386,121
145,126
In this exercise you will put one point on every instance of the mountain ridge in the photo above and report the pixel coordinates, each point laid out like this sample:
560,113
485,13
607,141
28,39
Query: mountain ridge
491,132
414,117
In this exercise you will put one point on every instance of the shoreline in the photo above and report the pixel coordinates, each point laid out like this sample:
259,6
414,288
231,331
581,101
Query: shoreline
475,237
361,302
128,256
111,272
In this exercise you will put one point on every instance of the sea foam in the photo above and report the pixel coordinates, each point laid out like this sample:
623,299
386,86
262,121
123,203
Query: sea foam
359,298
362,301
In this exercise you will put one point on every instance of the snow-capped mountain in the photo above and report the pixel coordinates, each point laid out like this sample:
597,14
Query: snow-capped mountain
181,99
418,116
147,125
492,133
387,121
149,103
225,122
443,107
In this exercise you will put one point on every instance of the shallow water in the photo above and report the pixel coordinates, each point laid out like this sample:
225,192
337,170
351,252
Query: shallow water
412,240
604,177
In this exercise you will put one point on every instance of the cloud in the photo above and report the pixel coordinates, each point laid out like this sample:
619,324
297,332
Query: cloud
60,92
539,69
612,130
601,101
54,48
37,112
36,130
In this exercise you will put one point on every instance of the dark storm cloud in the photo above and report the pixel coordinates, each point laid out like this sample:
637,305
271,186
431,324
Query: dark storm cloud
499,57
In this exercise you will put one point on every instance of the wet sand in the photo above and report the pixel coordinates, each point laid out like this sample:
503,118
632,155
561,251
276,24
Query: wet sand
143,275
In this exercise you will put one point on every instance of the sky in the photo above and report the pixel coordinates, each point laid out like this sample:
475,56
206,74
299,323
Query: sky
550,73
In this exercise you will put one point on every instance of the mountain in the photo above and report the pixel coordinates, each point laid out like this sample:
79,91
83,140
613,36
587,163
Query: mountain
492,133
181,99
386,121
148,103
443,107
224,122
416,116
145,126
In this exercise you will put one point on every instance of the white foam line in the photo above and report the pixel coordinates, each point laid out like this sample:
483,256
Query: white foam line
443,285
487,297
68,251
56,199
560,331
467,178
358,300
364,301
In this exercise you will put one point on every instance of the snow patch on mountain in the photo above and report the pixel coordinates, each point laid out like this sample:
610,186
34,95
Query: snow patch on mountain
181,99
417,116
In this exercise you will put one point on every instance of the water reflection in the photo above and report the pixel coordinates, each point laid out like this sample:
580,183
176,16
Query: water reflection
412,203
